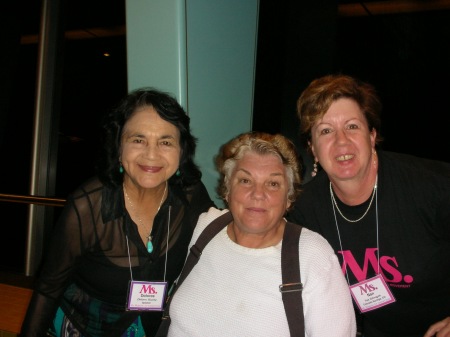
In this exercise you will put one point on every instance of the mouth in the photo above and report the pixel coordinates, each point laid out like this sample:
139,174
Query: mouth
256,209
345,157
153,169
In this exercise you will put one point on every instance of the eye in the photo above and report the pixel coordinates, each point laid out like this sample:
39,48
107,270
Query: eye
325,131
352,126
136,139
244,181
274,184
166,143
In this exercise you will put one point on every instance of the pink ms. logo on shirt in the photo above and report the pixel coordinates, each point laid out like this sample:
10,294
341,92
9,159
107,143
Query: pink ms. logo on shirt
388,267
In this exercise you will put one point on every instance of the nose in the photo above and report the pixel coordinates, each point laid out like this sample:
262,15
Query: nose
258,192
341,136
151,150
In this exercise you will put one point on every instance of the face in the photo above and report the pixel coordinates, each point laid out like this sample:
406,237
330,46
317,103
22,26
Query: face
258,193
150,151
342,142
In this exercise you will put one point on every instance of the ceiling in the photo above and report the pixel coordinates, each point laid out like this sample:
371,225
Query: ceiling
107,18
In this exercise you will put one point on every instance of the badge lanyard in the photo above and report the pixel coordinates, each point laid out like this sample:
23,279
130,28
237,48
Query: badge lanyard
372,293
148,296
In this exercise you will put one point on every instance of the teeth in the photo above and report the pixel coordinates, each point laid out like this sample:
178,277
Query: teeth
345,157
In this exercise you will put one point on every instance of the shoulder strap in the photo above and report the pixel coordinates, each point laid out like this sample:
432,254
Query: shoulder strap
290,266
196,251
291,289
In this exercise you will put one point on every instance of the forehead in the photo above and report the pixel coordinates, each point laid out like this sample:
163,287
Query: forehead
146,119
256,163
344,108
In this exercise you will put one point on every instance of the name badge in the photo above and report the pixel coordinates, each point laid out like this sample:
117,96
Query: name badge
146,295
372,294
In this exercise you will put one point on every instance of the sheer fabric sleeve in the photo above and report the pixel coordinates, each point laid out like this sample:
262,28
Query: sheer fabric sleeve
59,262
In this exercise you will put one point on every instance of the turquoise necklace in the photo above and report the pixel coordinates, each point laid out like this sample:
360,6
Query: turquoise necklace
149,236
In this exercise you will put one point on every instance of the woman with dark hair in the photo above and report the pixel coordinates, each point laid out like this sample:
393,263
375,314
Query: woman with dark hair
122,237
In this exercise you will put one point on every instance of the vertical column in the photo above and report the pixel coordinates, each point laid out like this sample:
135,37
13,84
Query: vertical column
203,52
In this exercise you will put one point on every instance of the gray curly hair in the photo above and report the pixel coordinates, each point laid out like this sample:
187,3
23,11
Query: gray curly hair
260,143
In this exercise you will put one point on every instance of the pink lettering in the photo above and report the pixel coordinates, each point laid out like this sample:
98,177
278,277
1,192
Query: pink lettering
396,275
147,289
349,260
388,266
366,288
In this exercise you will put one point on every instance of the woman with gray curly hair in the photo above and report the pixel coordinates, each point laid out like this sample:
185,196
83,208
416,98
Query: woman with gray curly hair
234,289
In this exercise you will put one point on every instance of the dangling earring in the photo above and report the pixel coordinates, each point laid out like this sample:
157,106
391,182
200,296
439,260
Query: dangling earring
314,171
120,169
178,173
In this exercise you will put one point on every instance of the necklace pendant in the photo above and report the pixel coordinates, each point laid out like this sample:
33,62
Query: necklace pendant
149,245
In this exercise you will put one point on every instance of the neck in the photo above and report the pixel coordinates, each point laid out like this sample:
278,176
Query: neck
256,240
357,190
144,203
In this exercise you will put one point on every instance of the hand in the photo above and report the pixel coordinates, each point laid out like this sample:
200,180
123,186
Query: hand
439,329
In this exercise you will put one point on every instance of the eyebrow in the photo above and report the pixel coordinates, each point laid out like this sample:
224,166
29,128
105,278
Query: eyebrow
141,135
275,174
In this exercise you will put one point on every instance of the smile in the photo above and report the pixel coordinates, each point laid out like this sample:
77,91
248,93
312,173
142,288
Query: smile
344,157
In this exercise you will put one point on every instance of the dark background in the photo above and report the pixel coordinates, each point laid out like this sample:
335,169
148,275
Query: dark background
405,55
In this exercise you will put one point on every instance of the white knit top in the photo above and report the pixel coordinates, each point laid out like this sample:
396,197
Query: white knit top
234,290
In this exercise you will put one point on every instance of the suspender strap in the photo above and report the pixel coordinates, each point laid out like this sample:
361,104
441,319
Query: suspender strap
291,289
290,267
196,250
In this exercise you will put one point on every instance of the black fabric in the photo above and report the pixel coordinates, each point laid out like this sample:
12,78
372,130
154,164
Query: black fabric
290,264
413,198
89,252
291,289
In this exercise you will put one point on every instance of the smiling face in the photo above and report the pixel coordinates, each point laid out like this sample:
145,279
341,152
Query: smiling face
150,151
342,142
258,194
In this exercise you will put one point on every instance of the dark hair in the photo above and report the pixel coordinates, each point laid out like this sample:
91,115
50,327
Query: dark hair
264,144
316,99
168,109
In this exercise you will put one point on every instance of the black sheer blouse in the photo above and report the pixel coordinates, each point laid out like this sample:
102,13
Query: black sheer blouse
95,249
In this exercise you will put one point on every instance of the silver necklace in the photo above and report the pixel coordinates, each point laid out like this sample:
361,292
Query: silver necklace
339,234
149,236
368,207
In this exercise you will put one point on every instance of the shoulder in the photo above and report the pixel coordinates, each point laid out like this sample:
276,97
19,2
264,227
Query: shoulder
209,216
89,187
196,194
205,219
317,258
314,244
316,185
310,200
415,165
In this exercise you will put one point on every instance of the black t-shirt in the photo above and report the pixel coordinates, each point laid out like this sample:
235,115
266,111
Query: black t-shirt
409,244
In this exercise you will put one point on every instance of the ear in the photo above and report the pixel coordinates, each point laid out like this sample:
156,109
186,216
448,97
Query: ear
373,137
312,150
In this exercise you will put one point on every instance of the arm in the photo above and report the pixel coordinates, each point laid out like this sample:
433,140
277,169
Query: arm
326,296
55,274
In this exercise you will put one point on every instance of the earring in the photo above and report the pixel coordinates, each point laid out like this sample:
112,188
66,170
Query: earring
314,171
178,173
121,169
